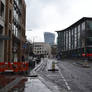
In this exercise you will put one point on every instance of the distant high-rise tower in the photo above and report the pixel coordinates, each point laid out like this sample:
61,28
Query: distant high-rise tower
49,38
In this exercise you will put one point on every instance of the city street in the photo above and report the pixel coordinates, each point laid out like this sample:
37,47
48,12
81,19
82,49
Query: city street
78,77
45,46
70,76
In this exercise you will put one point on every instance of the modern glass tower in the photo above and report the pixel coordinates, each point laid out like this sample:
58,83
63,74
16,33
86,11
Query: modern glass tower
49,38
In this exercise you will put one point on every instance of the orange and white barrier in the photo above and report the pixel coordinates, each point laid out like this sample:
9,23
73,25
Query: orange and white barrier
14,66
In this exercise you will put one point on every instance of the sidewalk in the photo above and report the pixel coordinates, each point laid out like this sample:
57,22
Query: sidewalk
35,85
39,84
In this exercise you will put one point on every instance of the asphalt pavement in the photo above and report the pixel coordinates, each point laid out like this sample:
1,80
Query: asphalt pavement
70,77
53,79
78,77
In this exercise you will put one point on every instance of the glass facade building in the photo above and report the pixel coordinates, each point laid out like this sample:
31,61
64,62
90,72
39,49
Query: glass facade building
76,39
49,38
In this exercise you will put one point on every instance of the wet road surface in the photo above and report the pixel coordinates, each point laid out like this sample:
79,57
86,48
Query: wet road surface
78,77
53,77
70,77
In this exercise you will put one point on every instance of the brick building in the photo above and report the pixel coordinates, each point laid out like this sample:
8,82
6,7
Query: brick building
14,30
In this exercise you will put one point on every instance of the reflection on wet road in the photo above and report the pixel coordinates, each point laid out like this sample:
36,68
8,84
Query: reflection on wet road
70,77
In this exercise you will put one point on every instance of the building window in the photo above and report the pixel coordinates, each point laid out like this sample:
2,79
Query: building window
89,25
2,10
89,41
79,36
1,29
75,33
37,52
9,33
72,38
66,40
69,40
83,26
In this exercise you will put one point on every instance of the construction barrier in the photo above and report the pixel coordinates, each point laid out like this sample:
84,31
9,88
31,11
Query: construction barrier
14,66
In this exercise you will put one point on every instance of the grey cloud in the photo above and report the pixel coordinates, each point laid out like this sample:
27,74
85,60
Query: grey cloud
41,16
34,13
66,9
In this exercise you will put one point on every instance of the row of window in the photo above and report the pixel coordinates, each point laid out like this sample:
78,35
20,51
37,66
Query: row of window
1,29
16,31
16,12
18,2
37,48
70,39
17,19
40,52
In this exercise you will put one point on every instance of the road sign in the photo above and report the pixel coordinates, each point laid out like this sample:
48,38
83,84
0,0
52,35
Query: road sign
24,46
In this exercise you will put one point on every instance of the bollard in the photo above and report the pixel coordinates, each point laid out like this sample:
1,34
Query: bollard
53,65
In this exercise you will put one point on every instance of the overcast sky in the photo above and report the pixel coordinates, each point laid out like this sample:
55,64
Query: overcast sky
51,15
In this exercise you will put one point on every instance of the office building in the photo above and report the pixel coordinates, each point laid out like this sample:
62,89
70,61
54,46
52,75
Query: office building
76,40
49,38
40,48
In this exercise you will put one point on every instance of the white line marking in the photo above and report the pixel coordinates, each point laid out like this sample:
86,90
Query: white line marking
66,83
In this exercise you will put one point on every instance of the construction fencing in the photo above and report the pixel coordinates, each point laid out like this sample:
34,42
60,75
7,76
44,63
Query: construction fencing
14,66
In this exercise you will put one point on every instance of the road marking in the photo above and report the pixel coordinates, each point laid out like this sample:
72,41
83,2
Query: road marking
49,85
66,83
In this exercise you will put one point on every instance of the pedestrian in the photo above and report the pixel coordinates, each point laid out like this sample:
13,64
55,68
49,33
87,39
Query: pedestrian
23,58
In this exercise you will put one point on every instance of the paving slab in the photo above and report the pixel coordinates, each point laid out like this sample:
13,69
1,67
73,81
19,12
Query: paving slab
35,85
